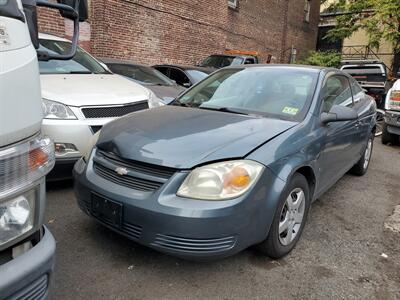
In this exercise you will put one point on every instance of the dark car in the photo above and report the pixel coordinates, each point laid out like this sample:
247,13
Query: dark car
233,162
185,76
224,60
163,87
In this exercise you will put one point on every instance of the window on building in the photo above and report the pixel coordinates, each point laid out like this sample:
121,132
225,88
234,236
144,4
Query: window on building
307,8
233,3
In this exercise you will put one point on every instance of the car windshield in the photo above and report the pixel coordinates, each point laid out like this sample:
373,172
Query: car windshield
82,63
197,75
283,93
141,74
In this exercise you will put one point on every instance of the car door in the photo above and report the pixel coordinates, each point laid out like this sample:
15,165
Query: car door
180,77
339,150
363,107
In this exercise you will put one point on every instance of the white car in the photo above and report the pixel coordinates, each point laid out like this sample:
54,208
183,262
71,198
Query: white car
80,96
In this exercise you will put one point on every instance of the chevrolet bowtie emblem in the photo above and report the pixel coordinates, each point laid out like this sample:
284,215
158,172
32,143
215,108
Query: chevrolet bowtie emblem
121,171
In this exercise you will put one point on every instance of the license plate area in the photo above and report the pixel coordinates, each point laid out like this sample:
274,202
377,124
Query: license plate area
106,210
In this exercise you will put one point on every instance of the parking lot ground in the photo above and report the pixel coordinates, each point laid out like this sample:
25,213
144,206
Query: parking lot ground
345,252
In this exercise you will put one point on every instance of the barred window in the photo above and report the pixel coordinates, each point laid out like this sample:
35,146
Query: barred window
307,8
233,3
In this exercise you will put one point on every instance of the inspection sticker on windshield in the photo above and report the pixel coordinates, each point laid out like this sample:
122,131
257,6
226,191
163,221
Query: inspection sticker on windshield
290,110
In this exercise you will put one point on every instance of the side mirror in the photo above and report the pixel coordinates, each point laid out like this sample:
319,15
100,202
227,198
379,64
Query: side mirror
187,84
339,113
75,10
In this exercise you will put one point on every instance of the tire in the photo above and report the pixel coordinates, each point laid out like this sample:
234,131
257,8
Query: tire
380,121
278,244
361,167
387,137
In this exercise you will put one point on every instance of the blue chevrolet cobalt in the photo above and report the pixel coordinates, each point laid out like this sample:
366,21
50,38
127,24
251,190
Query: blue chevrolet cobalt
235,161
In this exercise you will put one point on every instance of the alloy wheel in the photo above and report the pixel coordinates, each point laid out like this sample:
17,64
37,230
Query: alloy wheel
292,216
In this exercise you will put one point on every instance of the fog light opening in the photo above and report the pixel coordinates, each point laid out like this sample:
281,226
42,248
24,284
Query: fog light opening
63,148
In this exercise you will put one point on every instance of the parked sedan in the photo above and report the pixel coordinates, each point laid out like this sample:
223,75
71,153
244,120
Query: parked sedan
163,87
233,162
185,76
79,97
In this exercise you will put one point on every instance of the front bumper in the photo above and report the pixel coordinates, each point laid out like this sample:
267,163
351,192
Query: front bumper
392,119
186,228
75,132
28,276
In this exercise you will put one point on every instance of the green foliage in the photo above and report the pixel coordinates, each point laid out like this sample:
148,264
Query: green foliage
379,18
322,58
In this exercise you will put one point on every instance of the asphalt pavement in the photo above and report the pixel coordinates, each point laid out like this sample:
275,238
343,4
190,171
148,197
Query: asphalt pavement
346,251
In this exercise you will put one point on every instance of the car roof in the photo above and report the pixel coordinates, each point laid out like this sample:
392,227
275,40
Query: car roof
46,36
121,62
188,67
292,66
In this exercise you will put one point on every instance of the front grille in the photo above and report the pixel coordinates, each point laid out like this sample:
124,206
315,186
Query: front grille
132,182
140,167
34,291
113,111
194,245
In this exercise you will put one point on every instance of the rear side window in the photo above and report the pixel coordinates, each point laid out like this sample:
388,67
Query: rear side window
336,91
179,77
163,70
249,61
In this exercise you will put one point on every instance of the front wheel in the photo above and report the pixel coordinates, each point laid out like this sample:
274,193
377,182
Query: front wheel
289,220
361,167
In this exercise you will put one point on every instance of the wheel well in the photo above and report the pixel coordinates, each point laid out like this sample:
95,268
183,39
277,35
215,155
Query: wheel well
374,129
308,173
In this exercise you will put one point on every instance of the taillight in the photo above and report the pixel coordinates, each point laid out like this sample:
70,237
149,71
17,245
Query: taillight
394,101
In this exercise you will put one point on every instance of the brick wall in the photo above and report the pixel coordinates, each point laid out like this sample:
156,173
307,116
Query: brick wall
186,31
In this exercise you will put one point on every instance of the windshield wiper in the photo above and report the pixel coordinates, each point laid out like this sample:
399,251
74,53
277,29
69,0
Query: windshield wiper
80,72
225,109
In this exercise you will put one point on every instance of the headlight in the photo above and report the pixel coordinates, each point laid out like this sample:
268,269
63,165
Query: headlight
221,181
56,110
154,101
17,216
92,143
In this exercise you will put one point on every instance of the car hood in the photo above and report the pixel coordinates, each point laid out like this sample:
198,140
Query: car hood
165,92
91,89
182,137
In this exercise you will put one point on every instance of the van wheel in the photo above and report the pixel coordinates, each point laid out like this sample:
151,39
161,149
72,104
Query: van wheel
387,137
289,220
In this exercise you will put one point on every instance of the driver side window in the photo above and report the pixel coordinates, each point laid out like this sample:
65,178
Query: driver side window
336,91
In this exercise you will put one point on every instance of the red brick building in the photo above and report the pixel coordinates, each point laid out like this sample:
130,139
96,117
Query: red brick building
184,31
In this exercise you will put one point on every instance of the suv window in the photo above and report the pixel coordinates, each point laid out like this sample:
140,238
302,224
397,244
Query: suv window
249,61
336,91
